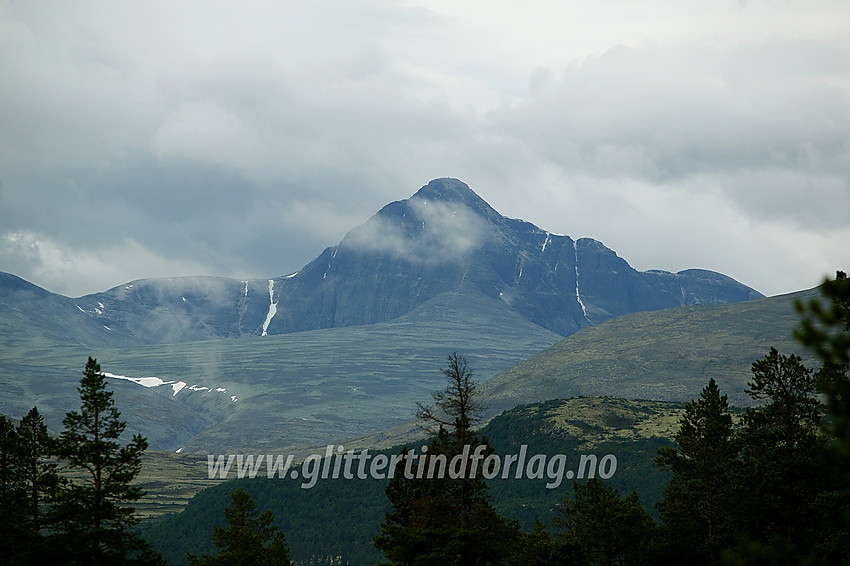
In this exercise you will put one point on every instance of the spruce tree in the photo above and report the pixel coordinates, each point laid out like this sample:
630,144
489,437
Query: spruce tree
92,513
696,510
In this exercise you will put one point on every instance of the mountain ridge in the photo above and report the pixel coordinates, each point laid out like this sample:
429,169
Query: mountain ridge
444,238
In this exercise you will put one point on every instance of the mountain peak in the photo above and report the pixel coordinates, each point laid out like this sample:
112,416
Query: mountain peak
447,189
451,190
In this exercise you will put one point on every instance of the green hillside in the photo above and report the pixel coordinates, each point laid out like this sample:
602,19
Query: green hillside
666,355
339,517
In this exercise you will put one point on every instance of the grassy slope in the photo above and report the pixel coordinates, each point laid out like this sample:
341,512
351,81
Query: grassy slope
300,389
665,355
170,481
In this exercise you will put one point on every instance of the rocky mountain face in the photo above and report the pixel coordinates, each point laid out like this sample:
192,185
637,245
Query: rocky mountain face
445,238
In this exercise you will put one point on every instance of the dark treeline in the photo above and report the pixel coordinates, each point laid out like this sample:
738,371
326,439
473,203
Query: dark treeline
65,500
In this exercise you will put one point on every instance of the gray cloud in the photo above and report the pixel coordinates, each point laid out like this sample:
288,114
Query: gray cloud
155,139
665,114
439,232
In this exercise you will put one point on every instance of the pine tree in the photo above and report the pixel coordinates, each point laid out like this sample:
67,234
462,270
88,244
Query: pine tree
825,324
443,520
9,483
38,479
13,532
608,528
38,472
696,509
825,328
456,407
538,548
782,473
92,515
249,539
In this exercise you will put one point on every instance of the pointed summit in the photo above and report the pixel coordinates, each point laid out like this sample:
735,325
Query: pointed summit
447,189
450,190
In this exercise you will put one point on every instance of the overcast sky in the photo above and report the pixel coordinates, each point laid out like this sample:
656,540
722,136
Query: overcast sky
151,139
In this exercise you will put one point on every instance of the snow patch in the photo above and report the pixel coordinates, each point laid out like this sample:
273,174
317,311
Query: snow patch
98,309
106,327
81,309
177,386
545,243
233,398
272,309
178,451
578,296
296,273
143,381
246,288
